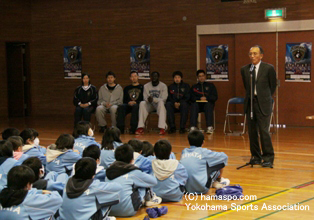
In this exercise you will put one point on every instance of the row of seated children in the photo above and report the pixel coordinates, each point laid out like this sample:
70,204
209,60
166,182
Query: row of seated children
167,180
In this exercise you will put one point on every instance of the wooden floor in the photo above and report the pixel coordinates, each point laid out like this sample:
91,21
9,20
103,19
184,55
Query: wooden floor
291,181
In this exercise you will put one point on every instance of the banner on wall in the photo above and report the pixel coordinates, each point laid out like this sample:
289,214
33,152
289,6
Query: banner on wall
298,62
72,62
140,60
217,63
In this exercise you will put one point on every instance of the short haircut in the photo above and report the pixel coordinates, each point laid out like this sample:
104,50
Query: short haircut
92,151
154,73
200,71
85,168
162,149
65,141
81,128
124,153
110,73
260,48
35,133
133,71
19,177
16,142
6,149
137,145
148,149
196,138
111,135
6,133
177,73
28,133
85,74
35,164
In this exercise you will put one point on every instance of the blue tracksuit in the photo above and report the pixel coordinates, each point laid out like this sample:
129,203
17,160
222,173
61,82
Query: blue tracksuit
35,206
171,179
84,206
107,156
198,161
5,167
143,163
33,151
84,141
22,159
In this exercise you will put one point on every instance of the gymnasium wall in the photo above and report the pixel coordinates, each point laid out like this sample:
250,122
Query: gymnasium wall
106,28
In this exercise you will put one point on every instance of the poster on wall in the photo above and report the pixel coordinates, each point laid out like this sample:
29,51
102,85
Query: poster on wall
72,62
217,63
298,62
140,60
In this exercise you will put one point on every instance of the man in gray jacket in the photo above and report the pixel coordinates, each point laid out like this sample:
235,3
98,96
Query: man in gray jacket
110,96
155,96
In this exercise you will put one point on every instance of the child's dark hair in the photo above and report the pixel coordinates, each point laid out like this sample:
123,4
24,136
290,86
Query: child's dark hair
16,142
65,141
6,133
177,73
110,73
124,153
6,149
196,138
19,177
162,149
85,74
35,133
137,145
148,149
92,151
85,168
133,71
28,134
81,128
35,164
200,71
111,134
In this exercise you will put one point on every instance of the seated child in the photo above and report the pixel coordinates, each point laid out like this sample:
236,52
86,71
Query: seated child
60,156
37,141
135,183
93,151
110,141
139,160
6,161
85,197
171,175
204,166
29,147
20,201
148,151
6,133
52,181
17,144
83,135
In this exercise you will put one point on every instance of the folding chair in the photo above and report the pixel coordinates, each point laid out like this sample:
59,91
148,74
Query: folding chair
234,101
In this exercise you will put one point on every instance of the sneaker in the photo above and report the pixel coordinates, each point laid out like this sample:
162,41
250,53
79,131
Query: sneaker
110,218
222,183
192,128
182,130
210,130
139,131
162,131
155,200
172,130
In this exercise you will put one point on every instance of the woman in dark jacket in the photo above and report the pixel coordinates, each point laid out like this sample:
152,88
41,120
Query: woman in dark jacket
85,99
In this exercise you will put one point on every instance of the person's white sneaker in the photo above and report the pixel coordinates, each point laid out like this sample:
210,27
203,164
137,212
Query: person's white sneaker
192,128
155,200
110,218
210,130
223,182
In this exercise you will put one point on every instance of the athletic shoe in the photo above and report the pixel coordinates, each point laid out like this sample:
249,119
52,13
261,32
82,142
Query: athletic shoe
182,130
110,218
210,130
155,200
139,131
162,131
222,183
172,130
193,128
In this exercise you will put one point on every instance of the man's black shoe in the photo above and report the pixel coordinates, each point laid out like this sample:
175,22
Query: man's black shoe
255,162
182,130
267,164
172,130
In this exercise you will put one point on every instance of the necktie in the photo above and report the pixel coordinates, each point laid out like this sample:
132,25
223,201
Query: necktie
253,81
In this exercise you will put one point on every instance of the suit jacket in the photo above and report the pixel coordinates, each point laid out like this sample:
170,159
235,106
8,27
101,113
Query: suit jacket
265,86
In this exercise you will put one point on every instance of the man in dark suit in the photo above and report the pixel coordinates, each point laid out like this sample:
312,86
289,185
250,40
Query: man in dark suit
264,86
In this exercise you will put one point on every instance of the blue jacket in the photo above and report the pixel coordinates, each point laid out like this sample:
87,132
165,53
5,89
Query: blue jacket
5,167
84,141
35,206
107,156
143,163
33,151
61,161
196,161
171,179
22,159
130,181
84,206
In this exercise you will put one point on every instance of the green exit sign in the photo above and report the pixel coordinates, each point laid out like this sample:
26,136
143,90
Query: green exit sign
275,13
